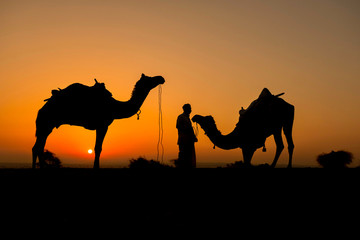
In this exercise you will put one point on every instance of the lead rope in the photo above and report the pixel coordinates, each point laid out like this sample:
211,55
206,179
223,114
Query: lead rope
196,130
161,130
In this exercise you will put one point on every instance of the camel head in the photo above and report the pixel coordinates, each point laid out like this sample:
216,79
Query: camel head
207,123
148,83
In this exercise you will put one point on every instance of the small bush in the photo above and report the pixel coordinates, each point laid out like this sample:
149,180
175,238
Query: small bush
50,160
144,163
339,159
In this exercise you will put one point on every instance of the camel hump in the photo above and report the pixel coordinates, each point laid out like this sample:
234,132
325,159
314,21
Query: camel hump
261,104
265,93
77,90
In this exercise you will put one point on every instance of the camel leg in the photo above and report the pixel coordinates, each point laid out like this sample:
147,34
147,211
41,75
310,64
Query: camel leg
100,135
279,147
38,151
247,155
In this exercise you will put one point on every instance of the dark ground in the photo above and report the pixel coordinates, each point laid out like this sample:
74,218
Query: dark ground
160,200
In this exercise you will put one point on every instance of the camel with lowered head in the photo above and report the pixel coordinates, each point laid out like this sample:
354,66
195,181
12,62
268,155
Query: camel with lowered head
266,116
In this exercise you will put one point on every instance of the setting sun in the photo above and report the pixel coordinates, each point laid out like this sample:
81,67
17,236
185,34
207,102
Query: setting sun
90,151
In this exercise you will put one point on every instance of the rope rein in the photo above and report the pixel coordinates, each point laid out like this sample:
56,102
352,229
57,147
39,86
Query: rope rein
160,146
196,130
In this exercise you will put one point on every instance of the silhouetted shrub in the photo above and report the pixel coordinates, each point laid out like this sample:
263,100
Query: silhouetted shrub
144,163
50,160
339,159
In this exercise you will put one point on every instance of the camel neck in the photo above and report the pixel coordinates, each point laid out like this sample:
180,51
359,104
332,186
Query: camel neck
131,107
222,141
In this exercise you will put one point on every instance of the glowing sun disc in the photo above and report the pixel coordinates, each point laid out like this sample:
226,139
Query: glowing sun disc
90,151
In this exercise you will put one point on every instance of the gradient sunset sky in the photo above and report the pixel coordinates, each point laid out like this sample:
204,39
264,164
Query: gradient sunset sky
216,55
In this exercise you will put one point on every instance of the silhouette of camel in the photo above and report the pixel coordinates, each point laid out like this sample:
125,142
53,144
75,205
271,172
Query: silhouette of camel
266,116
93,108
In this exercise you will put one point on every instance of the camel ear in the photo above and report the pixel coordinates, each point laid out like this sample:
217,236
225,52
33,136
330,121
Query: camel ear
142,75
95,80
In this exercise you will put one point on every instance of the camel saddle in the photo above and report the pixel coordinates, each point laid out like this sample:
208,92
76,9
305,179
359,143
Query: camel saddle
257,112
265,97
98,89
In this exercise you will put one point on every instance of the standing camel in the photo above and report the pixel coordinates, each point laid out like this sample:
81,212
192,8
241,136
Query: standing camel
93,108
266,116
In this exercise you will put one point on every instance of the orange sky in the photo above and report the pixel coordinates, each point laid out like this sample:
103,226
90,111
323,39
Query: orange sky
216,55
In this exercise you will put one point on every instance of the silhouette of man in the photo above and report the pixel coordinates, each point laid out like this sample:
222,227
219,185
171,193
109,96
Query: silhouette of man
186,139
